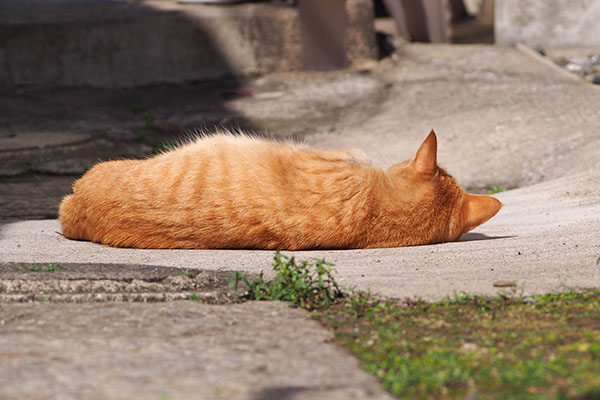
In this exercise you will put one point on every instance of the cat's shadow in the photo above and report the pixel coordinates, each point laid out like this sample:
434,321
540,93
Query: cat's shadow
472,236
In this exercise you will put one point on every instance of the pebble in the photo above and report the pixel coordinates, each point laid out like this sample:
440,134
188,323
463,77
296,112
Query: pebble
468,347
529,300
586,67
573,67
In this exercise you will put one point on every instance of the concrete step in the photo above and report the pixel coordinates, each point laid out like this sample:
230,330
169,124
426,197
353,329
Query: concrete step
130,43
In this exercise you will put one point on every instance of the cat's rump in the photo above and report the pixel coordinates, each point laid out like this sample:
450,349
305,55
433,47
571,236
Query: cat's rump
65,213
227,191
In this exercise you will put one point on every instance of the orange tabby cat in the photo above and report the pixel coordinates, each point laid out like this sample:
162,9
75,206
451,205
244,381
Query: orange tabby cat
227,191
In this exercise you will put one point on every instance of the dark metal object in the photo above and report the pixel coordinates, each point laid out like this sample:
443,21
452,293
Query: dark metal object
323,31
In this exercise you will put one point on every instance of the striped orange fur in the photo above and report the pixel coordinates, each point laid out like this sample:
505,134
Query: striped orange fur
227,191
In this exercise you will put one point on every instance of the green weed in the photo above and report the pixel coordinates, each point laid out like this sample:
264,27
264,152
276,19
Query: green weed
149,128
495,189
137,108
48,268
304,284
53,267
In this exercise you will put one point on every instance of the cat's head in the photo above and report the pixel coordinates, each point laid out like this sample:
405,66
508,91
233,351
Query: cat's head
437,194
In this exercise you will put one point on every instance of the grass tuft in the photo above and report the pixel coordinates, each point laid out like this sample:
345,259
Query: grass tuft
478,347
49,268
303,284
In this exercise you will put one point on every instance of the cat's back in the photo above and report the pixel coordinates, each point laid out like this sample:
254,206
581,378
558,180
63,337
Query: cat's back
217,191
217,156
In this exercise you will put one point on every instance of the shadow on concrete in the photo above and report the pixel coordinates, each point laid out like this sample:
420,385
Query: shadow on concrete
280,393
288,392
473,236
126,64
111,97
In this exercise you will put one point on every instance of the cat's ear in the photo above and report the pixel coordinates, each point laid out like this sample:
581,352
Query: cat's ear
425,161
477,209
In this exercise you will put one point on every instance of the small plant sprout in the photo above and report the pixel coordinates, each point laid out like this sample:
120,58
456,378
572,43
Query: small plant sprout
136,108
49,268
360,303
53,267
34,268
495,189
149,127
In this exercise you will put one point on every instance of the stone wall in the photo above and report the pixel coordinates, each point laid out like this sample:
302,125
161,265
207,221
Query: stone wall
548,23
131,44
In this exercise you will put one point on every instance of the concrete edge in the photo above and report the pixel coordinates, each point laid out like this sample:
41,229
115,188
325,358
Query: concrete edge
534,55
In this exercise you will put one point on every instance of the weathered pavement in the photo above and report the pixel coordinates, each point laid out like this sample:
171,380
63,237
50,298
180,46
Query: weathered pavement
546,238
173,350
502,119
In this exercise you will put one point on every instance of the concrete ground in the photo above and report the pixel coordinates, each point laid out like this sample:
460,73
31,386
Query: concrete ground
174,350
502,118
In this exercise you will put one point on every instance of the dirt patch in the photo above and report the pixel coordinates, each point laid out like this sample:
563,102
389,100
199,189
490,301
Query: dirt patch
79,283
